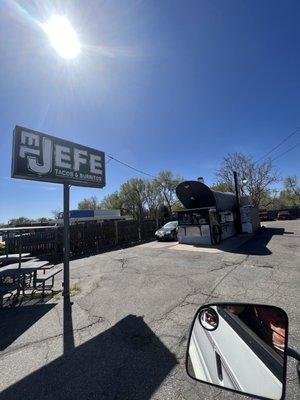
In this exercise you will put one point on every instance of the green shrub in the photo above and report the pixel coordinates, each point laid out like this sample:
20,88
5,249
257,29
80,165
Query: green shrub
2,248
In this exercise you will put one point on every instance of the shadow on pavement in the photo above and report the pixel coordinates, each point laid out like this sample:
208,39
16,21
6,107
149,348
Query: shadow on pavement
257,245
127,361
14,321
68,333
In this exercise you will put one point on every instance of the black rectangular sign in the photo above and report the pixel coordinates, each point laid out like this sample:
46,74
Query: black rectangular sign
42,157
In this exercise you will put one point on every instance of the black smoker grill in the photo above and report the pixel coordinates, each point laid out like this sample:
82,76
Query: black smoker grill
194,194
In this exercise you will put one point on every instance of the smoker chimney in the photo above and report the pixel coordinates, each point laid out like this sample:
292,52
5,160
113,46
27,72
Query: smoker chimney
200,179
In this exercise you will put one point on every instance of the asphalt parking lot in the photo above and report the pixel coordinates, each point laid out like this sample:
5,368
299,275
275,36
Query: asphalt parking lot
124,336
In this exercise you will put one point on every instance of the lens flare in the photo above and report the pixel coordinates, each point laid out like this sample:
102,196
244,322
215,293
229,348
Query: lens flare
62,37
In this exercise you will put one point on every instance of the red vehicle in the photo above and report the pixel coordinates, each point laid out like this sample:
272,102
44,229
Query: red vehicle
283,215
263,216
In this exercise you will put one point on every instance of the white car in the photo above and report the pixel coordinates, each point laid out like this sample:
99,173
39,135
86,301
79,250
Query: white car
226,356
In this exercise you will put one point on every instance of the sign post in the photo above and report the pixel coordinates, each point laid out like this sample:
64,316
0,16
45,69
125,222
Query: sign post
41,157
66,283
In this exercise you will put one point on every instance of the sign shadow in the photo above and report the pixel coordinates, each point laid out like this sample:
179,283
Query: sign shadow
16,320
127,361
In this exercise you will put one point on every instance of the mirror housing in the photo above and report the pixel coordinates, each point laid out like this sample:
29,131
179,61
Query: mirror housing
240,347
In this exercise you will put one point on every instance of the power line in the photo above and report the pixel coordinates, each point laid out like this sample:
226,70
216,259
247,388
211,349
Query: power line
155,177
278,145
285,152
129,166
133,168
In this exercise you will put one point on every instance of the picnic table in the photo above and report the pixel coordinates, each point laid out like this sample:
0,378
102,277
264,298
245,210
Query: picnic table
34,265
18,274
14,256
22,277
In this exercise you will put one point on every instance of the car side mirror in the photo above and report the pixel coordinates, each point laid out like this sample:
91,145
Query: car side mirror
240,347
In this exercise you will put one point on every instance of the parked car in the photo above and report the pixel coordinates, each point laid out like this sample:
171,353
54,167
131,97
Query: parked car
283,215
168,231
263,216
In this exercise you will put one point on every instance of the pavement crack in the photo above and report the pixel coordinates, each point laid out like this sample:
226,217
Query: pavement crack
47,353
123,262
236,265
218,269
45,340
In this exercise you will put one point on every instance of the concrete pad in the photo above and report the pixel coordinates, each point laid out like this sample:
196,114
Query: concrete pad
226,246
190,247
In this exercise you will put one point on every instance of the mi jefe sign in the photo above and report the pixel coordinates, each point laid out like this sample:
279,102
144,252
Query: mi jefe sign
42,157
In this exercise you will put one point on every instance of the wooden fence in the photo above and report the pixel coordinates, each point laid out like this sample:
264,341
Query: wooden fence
85,238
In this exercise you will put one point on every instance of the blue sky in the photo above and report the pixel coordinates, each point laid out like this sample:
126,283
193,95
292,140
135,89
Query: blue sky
159,84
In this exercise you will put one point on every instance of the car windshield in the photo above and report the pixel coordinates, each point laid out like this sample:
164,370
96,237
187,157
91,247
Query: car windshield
171,225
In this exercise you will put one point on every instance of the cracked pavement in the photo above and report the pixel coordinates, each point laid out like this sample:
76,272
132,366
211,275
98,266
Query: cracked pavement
131,318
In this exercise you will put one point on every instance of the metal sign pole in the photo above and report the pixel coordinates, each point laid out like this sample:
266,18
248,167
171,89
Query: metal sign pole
238,211
66,283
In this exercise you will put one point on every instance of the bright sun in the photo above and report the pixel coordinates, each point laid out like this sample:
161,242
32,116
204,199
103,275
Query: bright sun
62,36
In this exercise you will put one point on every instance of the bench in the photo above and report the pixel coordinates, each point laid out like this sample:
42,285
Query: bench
46,267
7,288
40,282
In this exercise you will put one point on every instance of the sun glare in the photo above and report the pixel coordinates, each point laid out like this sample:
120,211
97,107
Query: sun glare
62,36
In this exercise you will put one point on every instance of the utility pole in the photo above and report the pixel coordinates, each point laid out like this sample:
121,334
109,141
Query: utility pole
238,211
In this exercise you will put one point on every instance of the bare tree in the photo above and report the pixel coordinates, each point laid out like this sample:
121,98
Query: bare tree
291,185
20,221
222,187
141,198
132,194
168,182
153,198
90,203
112,202
254,178
42,220
56,213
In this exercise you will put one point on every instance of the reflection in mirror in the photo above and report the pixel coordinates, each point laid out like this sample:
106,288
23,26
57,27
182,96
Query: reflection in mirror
240,347
208,318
